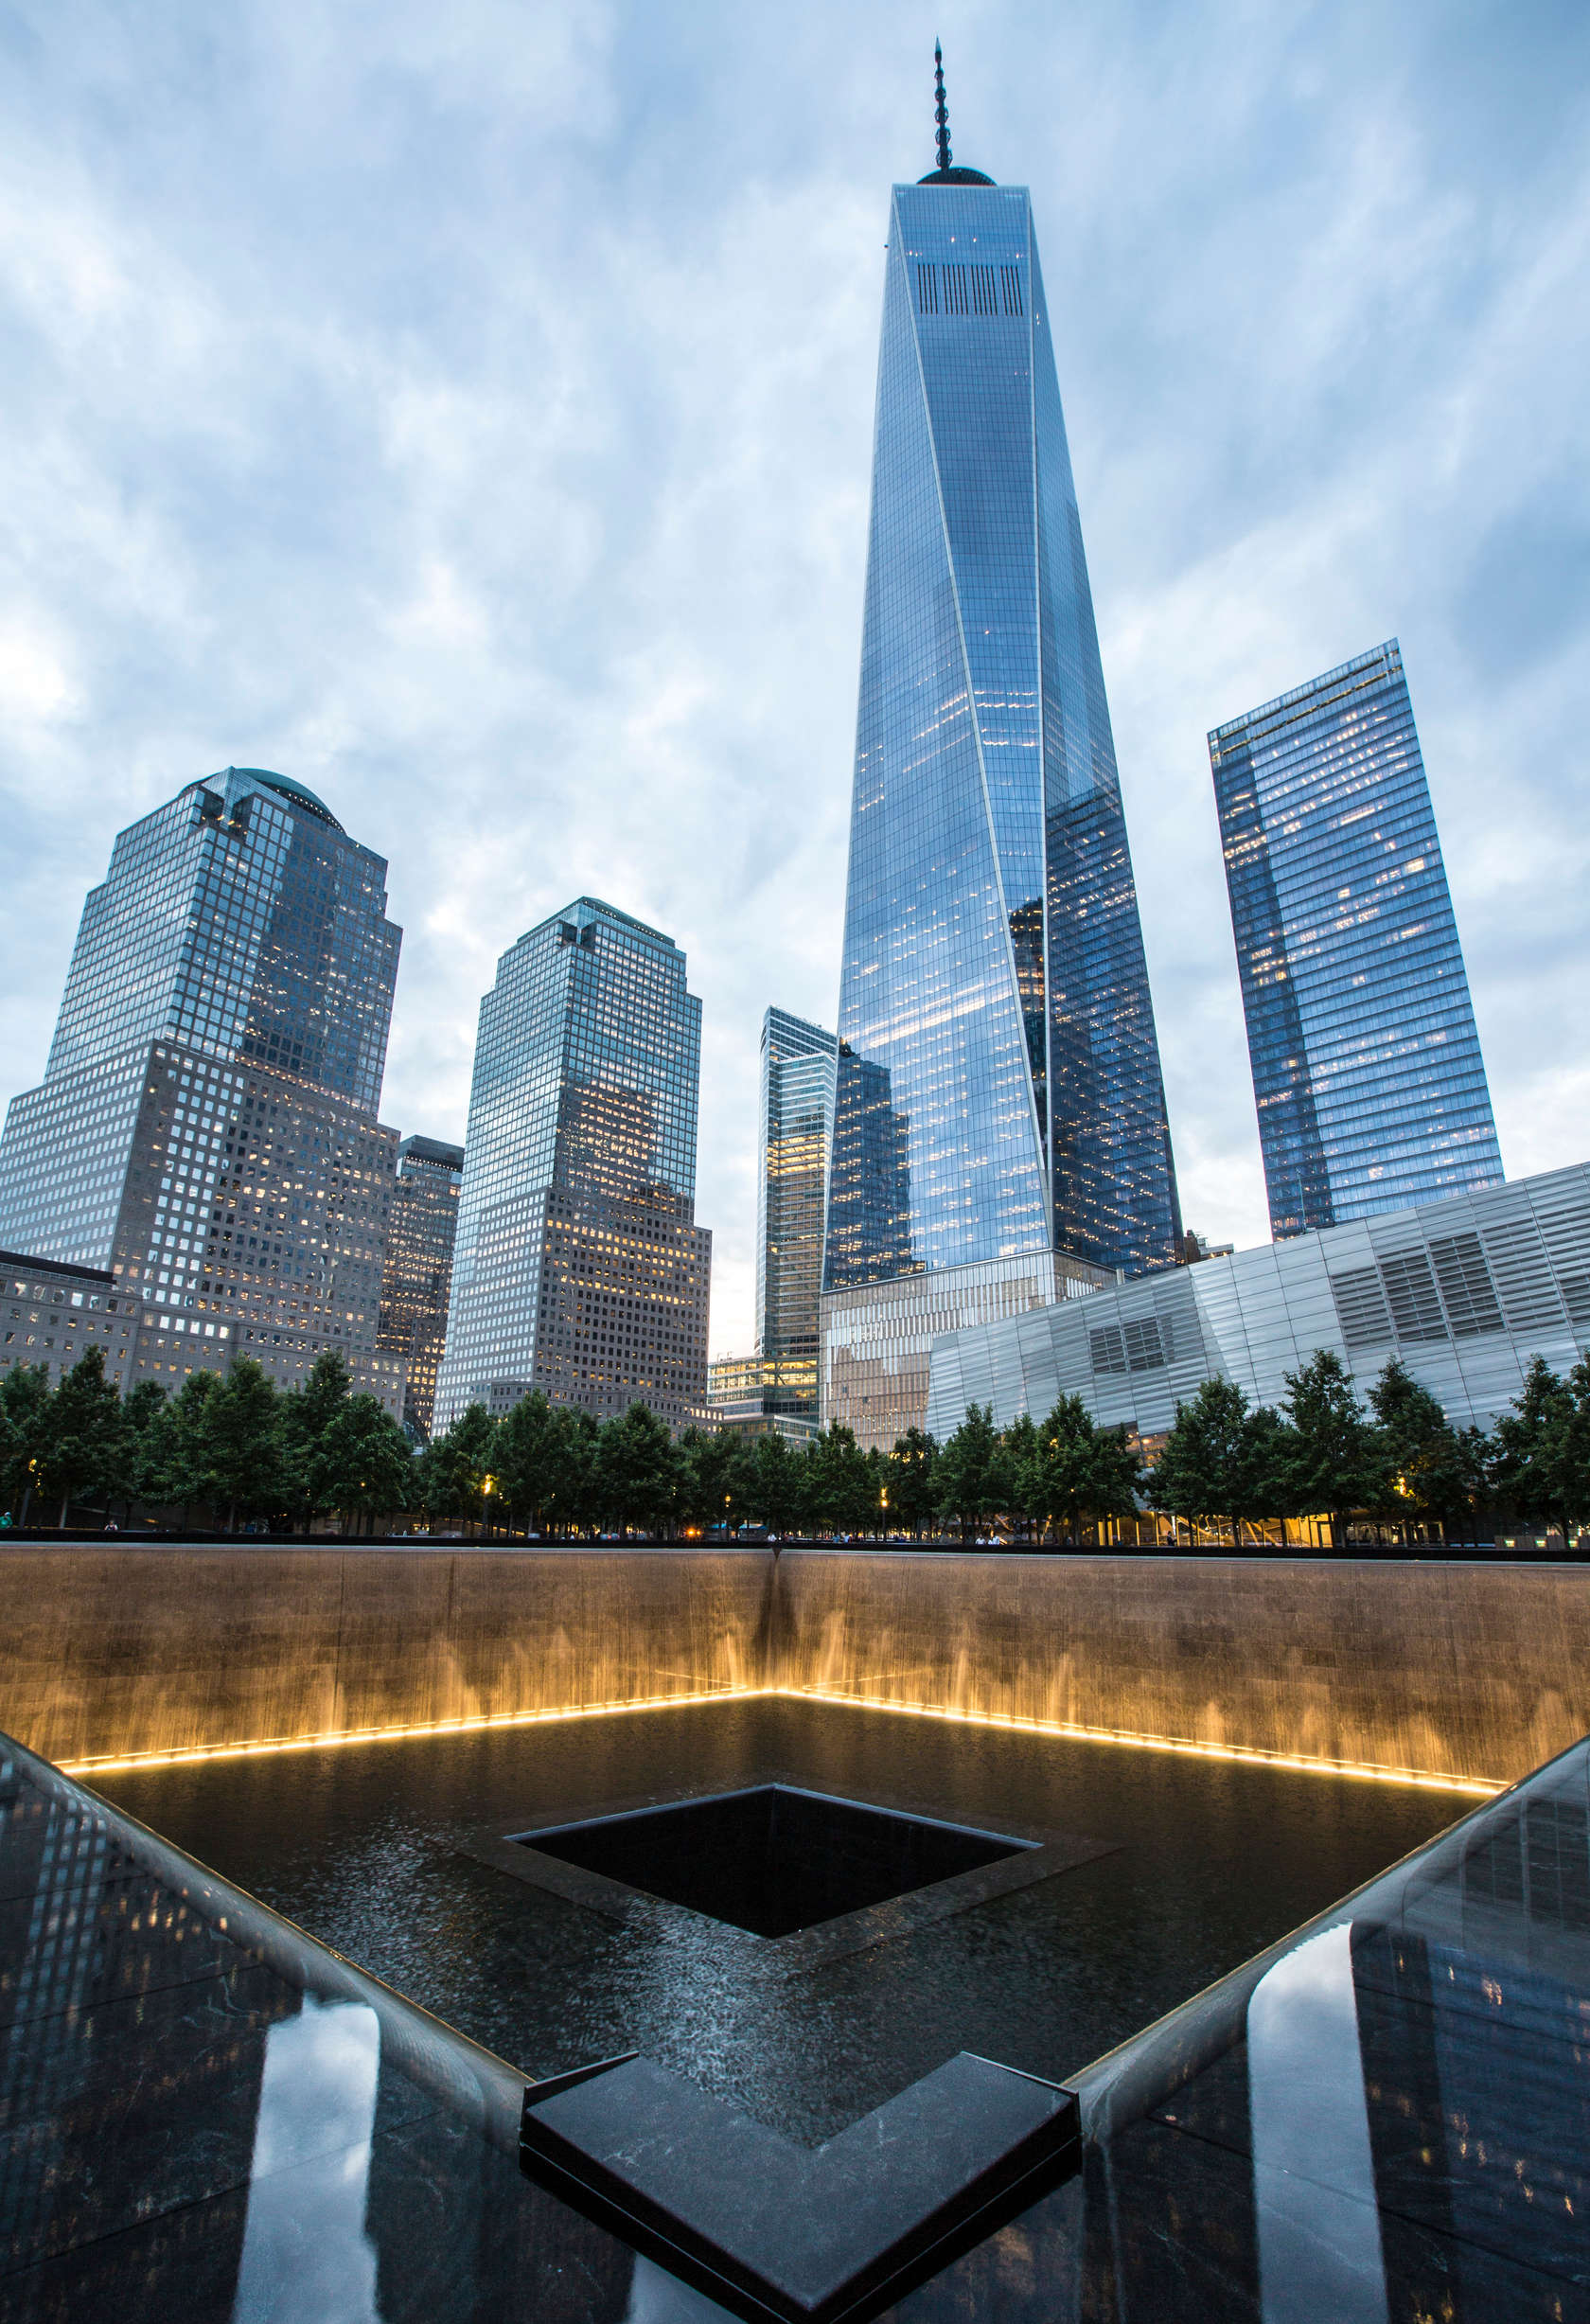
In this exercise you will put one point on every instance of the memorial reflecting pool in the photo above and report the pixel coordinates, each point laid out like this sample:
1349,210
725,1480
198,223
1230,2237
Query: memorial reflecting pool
1153,1874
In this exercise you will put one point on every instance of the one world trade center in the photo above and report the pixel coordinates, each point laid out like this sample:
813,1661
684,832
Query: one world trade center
1000,1137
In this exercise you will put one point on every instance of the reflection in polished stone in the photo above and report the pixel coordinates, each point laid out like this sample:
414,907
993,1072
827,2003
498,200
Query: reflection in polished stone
656,2298
307,2259
1314,2187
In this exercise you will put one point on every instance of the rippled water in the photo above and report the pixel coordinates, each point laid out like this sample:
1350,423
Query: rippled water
1211,1861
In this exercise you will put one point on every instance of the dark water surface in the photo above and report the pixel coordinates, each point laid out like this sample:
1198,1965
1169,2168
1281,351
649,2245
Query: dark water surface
1211,1861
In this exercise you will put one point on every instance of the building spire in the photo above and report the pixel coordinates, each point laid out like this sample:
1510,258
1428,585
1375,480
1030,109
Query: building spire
940,110
944,174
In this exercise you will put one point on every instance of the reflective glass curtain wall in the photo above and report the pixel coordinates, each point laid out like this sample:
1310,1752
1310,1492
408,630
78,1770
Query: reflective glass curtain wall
797,1129
239,921
205,1128
999,1087
416,1278
1367,1068
578,1265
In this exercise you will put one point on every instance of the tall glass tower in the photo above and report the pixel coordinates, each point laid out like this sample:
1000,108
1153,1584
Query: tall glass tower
416,1281
205,1129
1367,1068
1000,1101
578,1265
797,1131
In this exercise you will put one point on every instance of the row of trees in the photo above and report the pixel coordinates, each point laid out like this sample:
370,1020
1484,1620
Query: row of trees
1325,1451
235,1451
1397,1459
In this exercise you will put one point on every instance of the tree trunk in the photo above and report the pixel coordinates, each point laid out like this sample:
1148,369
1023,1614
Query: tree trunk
65,1503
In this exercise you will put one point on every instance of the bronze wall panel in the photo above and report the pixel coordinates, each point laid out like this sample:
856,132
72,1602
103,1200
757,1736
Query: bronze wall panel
115,1652
1474,1672
1466,1671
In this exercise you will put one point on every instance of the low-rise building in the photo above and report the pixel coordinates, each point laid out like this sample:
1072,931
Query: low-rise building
762,1395
1466,1292
52,1313
877,1338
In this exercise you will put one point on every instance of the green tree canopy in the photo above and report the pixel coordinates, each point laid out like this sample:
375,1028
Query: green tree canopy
239,1447
914,1493
972,1475
572,1505
527,1455
307,1413
773,1486
1541,1463
153,1460
1221,1460
839,1495
1430,1471
84,1443
1076,1473
363,1466
1118,1474
1022,1454
706,1477
1061,1484
637,1470
26,1401
454,1467
1332,1456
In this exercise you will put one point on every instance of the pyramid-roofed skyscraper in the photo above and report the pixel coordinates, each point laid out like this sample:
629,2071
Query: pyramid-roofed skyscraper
1000,1136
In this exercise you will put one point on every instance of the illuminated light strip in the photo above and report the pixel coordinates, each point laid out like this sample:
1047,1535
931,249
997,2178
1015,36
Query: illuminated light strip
339,1736
1476,1787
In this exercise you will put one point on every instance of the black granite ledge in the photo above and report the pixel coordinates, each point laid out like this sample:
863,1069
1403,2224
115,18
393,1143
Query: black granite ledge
232,1928
775,2230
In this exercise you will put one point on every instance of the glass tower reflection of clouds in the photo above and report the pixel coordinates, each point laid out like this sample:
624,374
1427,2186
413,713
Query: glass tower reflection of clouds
999,1088
797,1127
578,1265
205,1130
1367,1068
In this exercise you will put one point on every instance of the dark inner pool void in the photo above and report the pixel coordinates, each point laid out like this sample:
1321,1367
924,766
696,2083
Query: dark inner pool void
773,1859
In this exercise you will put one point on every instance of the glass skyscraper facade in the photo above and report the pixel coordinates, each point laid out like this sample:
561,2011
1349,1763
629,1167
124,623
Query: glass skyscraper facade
578,1267
998,1075
796,1136
1367,1068
416,1279
205,1129
999,1104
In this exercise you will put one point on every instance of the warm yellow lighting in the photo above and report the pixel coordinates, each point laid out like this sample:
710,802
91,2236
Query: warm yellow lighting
337,1737
1478,1787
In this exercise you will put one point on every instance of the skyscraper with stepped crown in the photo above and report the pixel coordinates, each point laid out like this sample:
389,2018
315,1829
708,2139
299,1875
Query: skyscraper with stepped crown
1000,1138
205,1131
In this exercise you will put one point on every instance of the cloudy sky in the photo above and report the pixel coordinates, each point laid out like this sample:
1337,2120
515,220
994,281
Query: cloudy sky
466,410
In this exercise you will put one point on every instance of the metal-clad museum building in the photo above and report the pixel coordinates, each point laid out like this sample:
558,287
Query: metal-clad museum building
1465,1291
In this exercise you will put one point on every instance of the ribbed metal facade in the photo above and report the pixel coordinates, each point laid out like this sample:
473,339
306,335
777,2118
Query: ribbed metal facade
1465,1292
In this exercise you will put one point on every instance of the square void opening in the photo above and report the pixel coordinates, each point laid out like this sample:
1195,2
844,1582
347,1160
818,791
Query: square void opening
774,1859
